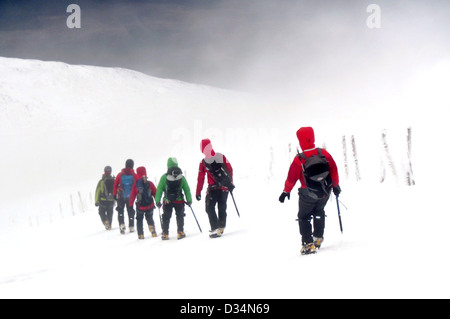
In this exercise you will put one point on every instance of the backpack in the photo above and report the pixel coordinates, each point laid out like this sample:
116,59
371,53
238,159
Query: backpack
220,173
108,187
144,196
317,174
126,183
106,197
174,177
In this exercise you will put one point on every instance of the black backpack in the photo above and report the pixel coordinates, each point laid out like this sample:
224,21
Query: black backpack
144,196
317,174
108,187
174,177
107,197
220,173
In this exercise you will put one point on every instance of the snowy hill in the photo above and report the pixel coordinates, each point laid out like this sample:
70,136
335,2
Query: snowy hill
61,124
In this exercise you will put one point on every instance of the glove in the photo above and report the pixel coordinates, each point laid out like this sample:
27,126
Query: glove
199,197
189,203
96,205
283,196
336,191
158,205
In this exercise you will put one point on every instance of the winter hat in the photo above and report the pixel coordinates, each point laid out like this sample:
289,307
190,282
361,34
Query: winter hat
129,163
306,138
206,148
141,171
108,170
172,162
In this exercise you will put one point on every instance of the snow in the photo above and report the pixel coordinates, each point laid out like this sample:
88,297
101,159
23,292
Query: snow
61,124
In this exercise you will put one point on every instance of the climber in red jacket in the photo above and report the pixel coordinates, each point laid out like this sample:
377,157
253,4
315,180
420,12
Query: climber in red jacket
220,183
143,191
314,192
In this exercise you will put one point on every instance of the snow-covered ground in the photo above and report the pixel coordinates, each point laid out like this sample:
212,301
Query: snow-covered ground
61,124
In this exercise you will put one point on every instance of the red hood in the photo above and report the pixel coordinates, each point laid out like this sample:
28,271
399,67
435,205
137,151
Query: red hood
206,148
306,138
141,171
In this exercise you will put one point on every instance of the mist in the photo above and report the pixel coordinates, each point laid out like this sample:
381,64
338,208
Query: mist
318,55
283,64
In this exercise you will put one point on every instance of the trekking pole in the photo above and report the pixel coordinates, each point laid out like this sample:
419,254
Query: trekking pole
339,214
237,210
160,218
195,218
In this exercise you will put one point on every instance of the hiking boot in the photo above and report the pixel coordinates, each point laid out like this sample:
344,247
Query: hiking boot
318,242
165,236
141,236
131,229
181,235
152,231
308,249
215,233
122,229
220,231
107,225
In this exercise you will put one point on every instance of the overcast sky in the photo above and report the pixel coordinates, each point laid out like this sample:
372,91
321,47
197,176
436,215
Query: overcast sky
246,44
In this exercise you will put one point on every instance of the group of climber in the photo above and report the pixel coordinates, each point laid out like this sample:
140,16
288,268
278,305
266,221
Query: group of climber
315,168
130,188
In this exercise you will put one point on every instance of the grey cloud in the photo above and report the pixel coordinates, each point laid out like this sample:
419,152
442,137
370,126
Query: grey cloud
284,45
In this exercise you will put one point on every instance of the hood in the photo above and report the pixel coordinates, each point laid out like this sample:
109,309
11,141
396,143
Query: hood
206,148
172,162
141,171
306,138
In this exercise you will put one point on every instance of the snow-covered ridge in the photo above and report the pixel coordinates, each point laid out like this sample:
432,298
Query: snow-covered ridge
33,91
60,123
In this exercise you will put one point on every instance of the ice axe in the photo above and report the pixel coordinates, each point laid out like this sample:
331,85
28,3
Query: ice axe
194,217
160,218
237,210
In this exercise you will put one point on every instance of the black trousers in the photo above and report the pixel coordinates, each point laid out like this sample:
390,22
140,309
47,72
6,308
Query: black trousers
311,209
216,197
121,203
106,213
148,214
167,215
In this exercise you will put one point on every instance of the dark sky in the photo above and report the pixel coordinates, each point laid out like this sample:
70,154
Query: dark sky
245,44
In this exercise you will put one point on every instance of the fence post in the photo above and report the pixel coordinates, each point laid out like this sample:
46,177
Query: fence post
387,153
355,157
344,148
409,174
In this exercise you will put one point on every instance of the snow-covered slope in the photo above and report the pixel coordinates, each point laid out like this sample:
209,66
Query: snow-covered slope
61,124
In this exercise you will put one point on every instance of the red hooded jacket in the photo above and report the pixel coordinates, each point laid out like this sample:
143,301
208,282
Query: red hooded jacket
141,173
208,151
306,138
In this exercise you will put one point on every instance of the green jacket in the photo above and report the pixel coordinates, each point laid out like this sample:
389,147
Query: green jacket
162,185
102,196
